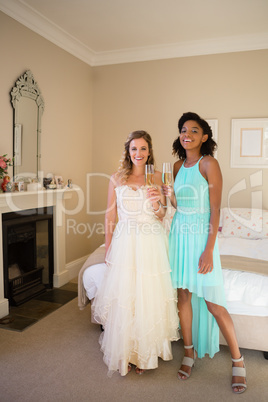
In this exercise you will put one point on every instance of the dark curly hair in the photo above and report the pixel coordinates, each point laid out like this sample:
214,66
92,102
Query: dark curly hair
207,148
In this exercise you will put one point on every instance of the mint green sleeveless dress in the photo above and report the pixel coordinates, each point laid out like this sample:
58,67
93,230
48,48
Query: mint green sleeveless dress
187,240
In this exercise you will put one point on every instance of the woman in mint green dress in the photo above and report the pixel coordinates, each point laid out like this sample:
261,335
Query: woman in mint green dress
193,249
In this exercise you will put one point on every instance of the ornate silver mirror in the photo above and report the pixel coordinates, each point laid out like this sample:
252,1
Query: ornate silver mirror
28,105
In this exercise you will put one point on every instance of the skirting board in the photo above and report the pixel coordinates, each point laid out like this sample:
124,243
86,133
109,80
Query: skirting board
74,267
4,308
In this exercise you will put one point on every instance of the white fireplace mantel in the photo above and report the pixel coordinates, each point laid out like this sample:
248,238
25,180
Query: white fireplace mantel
19,201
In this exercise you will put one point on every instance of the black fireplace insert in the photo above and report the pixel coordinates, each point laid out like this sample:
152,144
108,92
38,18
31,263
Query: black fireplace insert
27,253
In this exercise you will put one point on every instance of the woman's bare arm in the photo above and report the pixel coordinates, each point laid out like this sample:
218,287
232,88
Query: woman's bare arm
210,169
111,214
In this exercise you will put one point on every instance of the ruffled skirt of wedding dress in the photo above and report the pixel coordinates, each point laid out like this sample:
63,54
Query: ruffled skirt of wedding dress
136,303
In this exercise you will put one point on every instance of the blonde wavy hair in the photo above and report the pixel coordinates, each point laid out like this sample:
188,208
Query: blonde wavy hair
125,166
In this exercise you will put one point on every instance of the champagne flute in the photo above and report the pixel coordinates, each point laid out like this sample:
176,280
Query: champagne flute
149,175
167,173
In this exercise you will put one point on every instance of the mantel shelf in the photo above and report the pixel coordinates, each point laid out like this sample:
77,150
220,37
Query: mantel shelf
20,200
44,192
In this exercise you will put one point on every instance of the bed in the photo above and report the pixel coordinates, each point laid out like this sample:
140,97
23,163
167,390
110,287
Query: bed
243,245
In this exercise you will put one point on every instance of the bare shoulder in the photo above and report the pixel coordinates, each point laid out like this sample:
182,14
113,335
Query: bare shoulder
114,180
209,162
209,168
177,166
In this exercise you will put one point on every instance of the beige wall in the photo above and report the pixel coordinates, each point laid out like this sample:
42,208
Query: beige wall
66,86
153,95
90,111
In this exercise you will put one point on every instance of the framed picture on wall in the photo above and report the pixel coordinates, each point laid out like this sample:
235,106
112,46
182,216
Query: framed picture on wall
249,143
214,127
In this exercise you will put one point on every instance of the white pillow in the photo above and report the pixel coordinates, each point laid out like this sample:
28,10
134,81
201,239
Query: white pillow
245,223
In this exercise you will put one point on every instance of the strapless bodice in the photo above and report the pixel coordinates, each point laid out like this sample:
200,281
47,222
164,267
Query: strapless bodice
133,204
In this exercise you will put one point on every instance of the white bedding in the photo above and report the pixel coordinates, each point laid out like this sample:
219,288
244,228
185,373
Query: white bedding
246,293
92,279
244,247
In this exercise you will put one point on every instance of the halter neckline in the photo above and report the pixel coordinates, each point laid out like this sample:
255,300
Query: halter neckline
189,167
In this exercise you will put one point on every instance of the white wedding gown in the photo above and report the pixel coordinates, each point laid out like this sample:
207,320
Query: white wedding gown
136,303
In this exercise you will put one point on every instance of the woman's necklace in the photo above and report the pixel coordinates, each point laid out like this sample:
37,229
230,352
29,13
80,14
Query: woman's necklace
191,163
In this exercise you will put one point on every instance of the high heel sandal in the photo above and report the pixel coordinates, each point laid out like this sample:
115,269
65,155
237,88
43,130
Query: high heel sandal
139,371
239,372
187,361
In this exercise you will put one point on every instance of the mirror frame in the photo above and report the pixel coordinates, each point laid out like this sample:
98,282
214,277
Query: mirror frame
26,86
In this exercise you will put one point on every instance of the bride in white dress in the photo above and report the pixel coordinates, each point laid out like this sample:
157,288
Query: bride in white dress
136,303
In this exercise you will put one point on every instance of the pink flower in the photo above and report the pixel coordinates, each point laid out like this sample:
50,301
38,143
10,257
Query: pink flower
3,164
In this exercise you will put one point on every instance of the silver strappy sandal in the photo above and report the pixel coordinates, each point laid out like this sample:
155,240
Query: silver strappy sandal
187,361
239,372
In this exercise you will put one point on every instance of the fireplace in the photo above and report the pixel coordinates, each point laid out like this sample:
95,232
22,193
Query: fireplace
27,253
23,201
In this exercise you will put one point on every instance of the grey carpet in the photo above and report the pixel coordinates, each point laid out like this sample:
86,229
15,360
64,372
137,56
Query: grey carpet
58,359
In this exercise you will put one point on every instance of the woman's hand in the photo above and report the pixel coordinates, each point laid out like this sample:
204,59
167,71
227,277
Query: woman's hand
156,197
154,194
106,262
168,191
205,262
